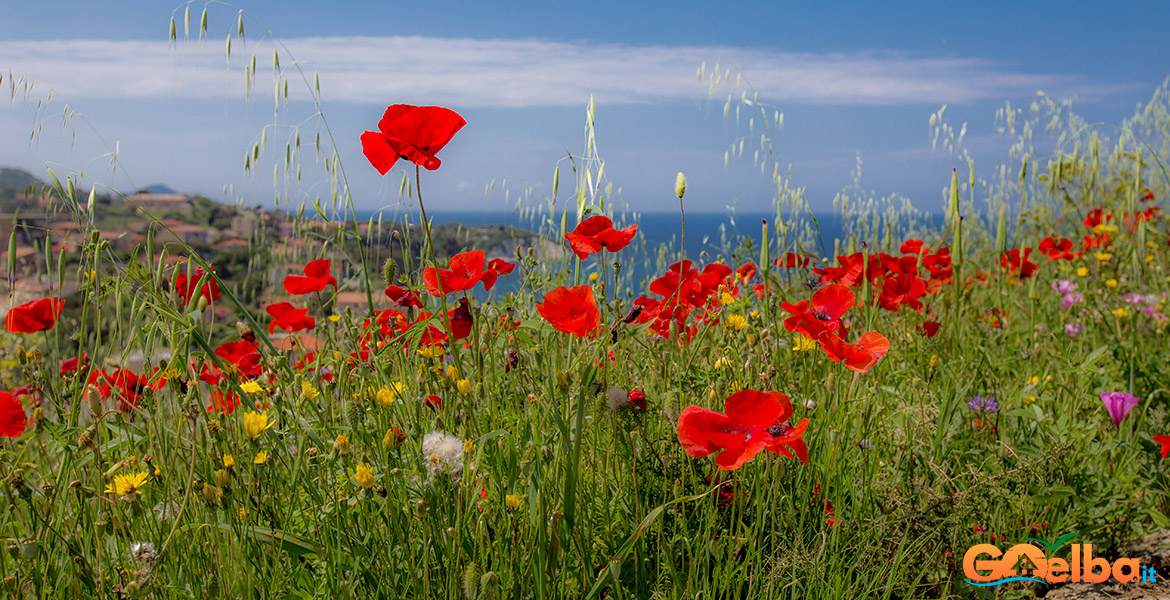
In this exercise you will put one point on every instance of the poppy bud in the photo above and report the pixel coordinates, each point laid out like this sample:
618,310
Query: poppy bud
680,185
202,304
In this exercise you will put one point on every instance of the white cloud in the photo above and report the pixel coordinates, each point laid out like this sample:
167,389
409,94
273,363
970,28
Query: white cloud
518,73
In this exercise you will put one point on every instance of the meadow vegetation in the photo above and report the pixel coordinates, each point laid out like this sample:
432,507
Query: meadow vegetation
356,409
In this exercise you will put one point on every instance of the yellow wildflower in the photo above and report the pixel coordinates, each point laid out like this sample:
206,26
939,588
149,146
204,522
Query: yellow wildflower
803,344
722,362
127,486
1121,312
251,387
452,372
386,396
1103,256
255,423
593,277
1033,379
431,351
464,387
334,318
341,444
229,461
364,476
1111,283
736,322
261,457
308,392
512,502
725,299
1082,271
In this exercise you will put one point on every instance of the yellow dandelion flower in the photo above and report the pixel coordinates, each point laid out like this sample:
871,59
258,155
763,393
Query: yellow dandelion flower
255,423
1121,312
464,387
334,318
341,444
512,502
736,322
386,396
127,486
252,387
364,476
261,457
229,461
803,344
725,299
452,372
1082,271
755,314
593,277
308,392
430,351
934,361
1111,283
1103,256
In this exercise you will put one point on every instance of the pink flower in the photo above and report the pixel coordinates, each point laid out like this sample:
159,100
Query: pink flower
1119,404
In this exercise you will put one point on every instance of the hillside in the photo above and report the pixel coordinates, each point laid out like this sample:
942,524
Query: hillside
16,179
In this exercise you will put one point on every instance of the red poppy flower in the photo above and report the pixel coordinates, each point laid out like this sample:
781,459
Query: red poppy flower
755,421
501,266
71,365
913,247
822,314
637,399
1161,439
289,318
746,271
38,315
1057,248
860,357
315,279
223,402
792,260
242,355
403,297
904,289
597,232
434,402
415,133
12,418
928,328
186,286
850,272
571,310
460,320
466,271
1013,261
126,384
1096,217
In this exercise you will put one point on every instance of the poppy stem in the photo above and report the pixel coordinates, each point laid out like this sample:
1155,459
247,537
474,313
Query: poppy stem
435,264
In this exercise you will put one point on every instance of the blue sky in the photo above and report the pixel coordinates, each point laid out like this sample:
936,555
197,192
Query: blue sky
852,79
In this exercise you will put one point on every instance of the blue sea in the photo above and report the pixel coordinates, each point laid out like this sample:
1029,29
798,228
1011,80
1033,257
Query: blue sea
709,236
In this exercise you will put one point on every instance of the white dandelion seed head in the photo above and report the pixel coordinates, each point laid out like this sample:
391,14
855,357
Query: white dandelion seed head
443,452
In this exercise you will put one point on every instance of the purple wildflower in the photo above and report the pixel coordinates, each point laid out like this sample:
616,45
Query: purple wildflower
1071,299
1118,404
1072,329
1064,286
984,404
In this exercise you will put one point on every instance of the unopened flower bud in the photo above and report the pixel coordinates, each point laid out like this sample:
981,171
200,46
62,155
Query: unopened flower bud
680,185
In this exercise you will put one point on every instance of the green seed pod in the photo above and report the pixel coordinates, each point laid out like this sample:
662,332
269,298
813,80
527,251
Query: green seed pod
390,270
471,581
488,585
680,185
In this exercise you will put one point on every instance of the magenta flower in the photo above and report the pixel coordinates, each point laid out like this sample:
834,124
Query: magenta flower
1118,404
